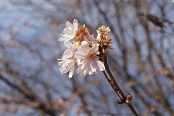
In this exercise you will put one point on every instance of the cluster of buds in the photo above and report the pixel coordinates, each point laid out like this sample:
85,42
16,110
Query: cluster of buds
83,49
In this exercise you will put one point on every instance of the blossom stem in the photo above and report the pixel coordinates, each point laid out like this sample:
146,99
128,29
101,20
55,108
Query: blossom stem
116,87
110,83
106,76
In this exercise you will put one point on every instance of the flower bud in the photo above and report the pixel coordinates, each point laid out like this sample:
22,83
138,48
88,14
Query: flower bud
129,97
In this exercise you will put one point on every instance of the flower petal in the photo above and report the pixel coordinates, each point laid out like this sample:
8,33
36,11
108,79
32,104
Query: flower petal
75,24
81,53
100,65
71,72
68,44
64,70
68,53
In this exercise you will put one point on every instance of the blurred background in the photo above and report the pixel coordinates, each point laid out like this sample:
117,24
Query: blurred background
142,62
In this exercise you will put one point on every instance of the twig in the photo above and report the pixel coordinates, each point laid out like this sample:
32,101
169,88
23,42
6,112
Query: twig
115,86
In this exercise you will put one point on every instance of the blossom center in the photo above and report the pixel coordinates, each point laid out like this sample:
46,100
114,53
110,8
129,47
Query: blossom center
74,59
75,49
91,55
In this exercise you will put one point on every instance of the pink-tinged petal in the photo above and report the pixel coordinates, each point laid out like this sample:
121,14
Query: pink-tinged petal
79,62
79,56
90,38
71,72
66,64
93,65
68,37
83,74
62,38
86,65
69,31
68,44
75,24
78,70
83,69
90,73
81,53
90,68
64,70
68,53
83,66
68,24
100,65
60,63
65,37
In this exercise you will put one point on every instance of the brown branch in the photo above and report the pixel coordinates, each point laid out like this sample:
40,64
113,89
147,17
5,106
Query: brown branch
113,82
118,90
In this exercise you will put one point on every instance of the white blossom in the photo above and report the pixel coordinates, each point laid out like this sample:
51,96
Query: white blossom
82,49
69,31
67,64
90,38
89,60
71,49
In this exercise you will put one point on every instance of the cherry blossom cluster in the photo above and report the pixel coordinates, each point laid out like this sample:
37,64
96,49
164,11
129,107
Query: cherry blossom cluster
83,49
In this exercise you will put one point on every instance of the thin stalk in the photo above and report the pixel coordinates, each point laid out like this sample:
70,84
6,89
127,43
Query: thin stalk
114,84
117,89
109,82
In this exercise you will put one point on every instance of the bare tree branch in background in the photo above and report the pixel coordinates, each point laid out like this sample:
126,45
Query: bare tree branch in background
142,62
